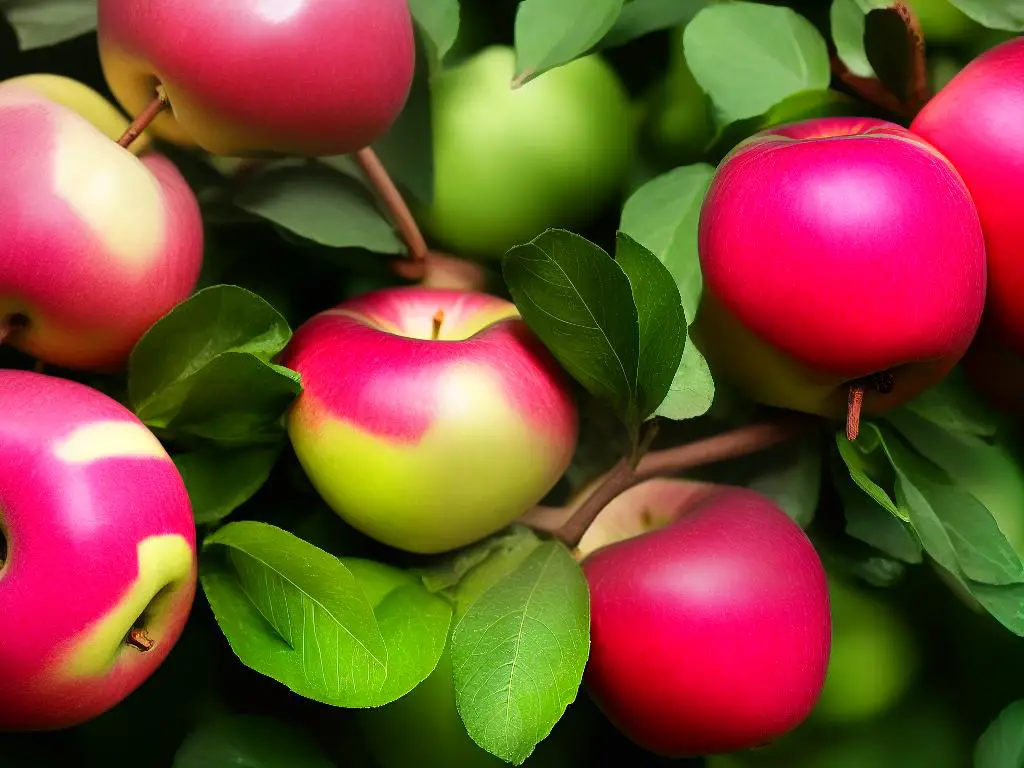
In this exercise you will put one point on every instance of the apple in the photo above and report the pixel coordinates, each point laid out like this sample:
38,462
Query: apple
838,254
429,418
974,122
710,634
87,102
512,162
873,659
98,244
98,565
252,77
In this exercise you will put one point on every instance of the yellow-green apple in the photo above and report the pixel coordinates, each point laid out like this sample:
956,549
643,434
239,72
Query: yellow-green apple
511,162
254,77
98,570
840,256
97,244
87,102
429,418
710,634
974,121
873,660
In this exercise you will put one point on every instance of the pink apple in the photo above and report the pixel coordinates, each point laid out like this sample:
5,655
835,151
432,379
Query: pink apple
429,418
97,243
977,121
838,252
710,634
305,77
99,541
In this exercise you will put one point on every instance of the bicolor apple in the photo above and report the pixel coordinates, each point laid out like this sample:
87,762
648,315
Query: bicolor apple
429,418
251,77
712,632
99,557
839,255
98,244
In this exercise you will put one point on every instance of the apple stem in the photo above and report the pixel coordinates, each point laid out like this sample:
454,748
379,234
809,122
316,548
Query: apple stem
10,324
148,115
854,405
402,217
140,640
734,444
438,322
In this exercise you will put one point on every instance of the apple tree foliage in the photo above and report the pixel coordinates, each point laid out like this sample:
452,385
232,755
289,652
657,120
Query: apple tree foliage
333,622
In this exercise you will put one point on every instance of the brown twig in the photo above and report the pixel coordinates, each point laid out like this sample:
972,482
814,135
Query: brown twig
671,461
143,121
402,217
140,640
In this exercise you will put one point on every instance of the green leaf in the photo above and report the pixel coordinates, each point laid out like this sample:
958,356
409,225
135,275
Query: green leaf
791,476
413,622
892,49
870,468
662,322
41,23
1002,14
321,205
439,21
249,741
692,391
874,525
219,480
952,405
296,614
549,33
641,17
1005,603
663,216
519,653
847,19
1002,743
578,300
749,57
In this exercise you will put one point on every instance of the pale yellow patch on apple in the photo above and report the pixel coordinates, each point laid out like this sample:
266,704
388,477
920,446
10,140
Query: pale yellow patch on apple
164,561
112,192
109,440
475,470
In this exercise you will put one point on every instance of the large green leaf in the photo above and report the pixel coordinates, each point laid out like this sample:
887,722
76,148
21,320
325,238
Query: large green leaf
295,613
519,651
847,19
41,23
1002,743
550,33
439,21
995,14
220,480
749,57
641,17
249,741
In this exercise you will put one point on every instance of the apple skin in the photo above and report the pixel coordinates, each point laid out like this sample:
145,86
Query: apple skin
90,104
975,121
832,250
509,164
100,536
429,445
710,634
250,78
98,244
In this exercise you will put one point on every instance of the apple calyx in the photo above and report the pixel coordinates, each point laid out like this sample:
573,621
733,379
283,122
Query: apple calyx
159,104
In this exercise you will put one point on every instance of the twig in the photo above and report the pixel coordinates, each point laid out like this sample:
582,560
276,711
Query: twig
143,121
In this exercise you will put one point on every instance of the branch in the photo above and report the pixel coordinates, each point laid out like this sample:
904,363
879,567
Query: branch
671,461
143,121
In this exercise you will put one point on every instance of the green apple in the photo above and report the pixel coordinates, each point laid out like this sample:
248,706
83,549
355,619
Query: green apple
512,162
873,659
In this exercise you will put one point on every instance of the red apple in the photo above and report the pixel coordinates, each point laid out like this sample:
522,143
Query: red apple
97,243
429,418
711,634
838,253
250,77
99,544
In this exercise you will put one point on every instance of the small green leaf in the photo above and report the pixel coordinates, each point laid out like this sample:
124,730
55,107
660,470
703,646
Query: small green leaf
41,23
249,741
663,216
791,476
1002,743
549,33
1002,14
578,300
870,468
873,524
439,21
220,480
952,405
296,614
749,57
519,651
321,205
692,391
1004,602
641,17
847,21
662,322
